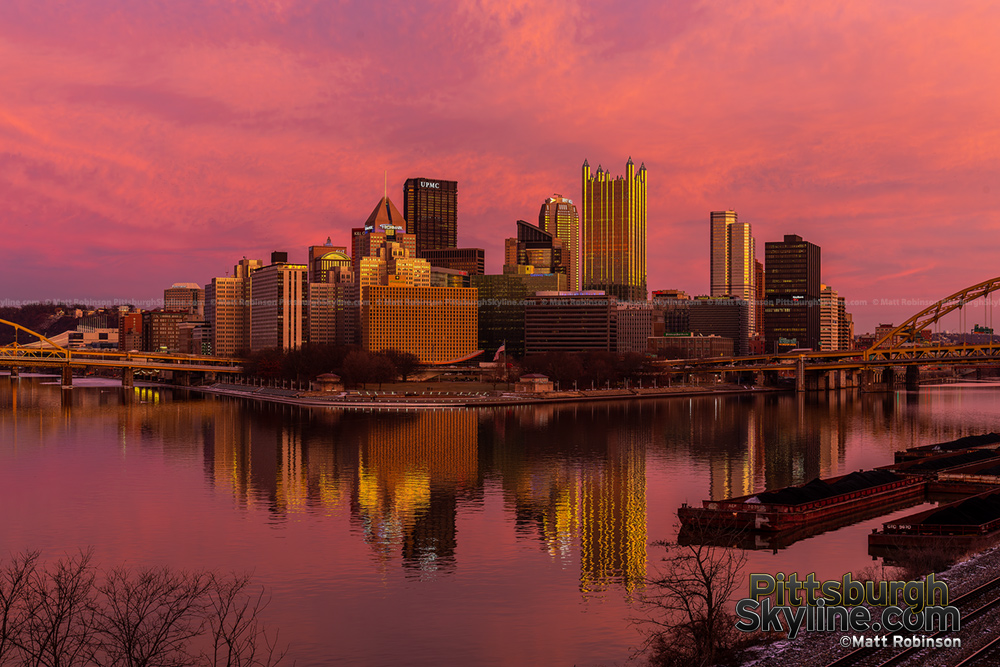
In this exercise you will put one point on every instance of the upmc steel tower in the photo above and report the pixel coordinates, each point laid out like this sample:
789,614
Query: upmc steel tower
613,227
430,207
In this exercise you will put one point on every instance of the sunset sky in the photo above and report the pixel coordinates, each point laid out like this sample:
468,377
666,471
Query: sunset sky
143,144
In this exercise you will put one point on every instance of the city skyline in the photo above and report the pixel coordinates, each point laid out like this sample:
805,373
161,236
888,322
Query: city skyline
153,155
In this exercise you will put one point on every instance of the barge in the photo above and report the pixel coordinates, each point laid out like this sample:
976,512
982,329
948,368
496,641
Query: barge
968,442
817,502
969,524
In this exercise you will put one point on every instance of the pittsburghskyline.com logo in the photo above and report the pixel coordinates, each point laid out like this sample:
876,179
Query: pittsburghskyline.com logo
792,605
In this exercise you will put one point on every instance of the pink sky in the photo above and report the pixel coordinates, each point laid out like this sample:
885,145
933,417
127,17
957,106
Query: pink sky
143,144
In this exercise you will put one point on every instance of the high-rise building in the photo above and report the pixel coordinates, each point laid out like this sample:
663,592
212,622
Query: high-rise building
534,251
792,290
470,260
160,331
501,308
325,258
278,305
829,318
430,207
558,216
721,316
130,332
227,309
733,261
186,298
613,231
399,309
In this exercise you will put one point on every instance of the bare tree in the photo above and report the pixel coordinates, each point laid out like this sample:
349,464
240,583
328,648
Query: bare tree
685,611
68,613
57,614
147,618
14,581
238,638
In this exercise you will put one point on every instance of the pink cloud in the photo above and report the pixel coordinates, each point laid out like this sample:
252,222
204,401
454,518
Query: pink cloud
196,133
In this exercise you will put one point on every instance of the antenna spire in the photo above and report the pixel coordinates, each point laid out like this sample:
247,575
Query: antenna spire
385,184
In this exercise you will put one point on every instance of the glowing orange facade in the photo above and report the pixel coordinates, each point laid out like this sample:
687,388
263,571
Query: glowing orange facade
613,227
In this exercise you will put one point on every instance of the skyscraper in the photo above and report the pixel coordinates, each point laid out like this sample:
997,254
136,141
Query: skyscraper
558,216
227,309
792,288
613,227
733,261
430,208
535,251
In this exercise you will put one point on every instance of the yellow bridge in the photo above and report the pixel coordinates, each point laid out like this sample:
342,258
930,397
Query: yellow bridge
47,353
895,355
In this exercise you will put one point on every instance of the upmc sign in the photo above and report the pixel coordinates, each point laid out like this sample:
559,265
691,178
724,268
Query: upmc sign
430,184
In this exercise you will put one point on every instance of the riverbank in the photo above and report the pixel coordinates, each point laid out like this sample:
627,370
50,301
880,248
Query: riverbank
431,400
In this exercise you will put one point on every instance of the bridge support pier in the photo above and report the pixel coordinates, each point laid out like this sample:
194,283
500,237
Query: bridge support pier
913,378
128,377
800,374
67,377
15,372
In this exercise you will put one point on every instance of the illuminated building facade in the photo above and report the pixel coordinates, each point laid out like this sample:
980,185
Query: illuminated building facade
185,297
535,250
558,216
227,309
130,332
733,261
278,305
160,331
613,231
430,208
437,324
792,288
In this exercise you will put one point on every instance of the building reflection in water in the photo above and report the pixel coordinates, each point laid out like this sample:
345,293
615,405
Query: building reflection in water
576,478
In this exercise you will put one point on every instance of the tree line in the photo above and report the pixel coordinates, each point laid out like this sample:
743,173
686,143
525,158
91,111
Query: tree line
68,613
355,366
597,367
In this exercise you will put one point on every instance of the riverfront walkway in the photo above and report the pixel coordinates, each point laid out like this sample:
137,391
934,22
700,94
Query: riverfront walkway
432,400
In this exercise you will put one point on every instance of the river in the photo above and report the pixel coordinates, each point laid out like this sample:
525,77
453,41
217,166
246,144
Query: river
493,537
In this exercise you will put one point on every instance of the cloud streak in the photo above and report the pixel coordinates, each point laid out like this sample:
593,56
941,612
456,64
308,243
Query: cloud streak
197,132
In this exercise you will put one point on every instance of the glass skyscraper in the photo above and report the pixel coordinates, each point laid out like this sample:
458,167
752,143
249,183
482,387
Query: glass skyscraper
430,207
613,230
558,216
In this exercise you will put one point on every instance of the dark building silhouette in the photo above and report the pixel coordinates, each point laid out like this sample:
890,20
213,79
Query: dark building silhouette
792,291
430,207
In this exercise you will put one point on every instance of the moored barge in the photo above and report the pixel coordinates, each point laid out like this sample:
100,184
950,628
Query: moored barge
818,501
972,523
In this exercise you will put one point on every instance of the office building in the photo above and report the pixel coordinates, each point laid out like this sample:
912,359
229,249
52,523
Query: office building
437,324
430,208
399,308
470,260
689,346
326,258
792,291
570,322
723,316
278,305
733,261
671,312
535,250
501,308
160,332
449,278
634,326
613,231
130,332
829,318
558,216
186,298
227,309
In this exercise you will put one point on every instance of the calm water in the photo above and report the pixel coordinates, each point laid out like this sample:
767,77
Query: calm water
507,536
